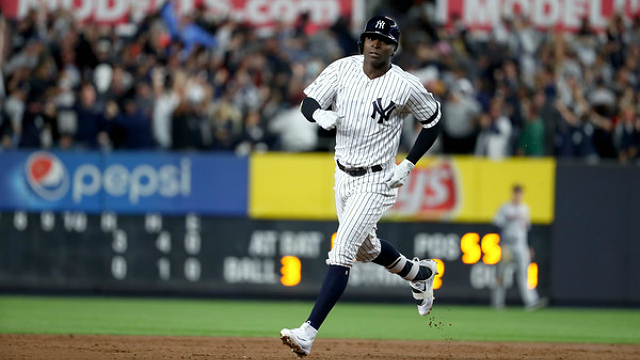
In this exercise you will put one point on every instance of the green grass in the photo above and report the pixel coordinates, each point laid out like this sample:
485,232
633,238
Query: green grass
144,316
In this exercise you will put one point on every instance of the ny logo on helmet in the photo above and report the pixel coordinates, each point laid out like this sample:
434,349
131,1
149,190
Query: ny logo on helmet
380,24
383,112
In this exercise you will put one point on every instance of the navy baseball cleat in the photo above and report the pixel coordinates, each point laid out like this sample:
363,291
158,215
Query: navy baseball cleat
423,289
299,339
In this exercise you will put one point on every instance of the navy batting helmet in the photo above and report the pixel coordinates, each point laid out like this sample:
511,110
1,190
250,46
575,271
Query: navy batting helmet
381,26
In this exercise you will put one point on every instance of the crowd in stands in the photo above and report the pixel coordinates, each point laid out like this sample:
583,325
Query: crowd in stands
513,91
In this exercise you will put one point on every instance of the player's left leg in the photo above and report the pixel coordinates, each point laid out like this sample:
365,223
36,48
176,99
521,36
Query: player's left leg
396,263
419,273
530,297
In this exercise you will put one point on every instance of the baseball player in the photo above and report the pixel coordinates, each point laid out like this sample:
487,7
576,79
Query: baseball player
365,98
514,222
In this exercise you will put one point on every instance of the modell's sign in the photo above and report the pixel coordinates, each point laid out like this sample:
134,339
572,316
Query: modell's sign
543,14
253,12
432,192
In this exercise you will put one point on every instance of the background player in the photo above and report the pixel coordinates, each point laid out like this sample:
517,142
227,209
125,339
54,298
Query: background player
514,222
368,98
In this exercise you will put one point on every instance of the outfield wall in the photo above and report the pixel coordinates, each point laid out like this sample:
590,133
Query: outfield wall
596,235
216,224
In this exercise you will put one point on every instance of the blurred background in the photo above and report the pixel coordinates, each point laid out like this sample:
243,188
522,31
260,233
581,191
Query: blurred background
156,147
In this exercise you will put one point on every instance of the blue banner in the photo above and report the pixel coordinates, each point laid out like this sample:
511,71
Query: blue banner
124,182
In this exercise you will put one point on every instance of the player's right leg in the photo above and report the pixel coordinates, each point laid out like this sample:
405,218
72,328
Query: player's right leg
358,213
299,339
499,291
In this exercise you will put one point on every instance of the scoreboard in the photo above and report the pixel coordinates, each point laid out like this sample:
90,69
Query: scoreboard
236,256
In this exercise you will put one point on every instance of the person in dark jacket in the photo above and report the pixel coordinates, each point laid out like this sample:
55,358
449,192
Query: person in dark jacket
131,127
92,127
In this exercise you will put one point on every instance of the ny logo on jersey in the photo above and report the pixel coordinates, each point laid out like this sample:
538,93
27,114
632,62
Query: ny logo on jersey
380,24
383,112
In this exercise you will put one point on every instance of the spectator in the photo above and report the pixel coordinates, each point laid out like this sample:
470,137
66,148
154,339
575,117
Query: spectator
49,134
226,124
495,132
254,136
144,97
293,133
602,99
460,112
167,100
130,127
543,106
32,122
576,132
14,110
531,140
90,128
102,76
626,135
190,126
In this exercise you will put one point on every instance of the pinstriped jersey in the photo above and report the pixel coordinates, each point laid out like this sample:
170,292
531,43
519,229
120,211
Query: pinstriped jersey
373,109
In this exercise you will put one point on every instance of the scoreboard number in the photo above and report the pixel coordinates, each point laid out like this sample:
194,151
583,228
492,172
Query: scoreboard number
474,249
291,271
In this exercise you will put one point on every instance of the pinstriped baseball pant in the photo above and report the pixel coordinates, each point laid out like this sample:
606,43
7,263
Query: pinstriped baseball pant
360,203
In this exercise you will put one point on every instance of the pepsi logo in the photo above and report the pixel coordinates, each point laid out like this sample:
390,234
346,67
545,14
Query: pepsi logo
47,176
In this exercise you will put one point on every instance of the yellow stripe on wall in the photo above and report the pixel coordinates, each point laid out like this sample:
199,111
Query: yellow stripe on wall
291,186
456,189
496,178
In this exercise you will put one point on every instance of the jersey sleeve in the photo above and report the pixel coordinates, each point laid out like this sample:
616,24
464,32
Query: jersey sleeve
324,87
421,103
499,219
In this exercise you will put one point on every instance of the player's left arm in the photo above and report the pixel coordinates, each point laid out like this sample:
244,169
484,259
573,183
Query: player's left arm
426,109
424,142
527,217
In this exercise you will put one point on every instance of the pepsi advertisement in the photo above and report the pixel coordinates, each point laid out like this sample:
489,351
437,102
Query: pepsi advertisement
124,182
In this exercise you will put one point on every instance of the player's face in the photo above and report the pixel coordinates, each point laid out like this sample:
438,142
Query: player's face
378,50
517,196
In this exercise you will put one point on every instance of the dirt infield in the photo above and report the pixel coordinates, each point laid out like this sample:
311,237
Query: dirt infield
200,348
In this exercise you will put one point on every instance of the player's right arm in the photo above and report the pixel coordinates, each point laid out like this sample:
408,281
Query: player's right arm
312,112
321,94
500,218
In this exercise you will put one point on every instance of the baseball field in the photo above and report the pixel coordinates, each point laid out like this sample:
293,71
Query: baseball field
36,327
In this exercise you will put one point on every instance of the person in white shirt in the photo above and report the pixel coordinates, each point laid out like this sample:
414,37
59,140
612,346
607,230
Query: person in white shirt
514,221
495,133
